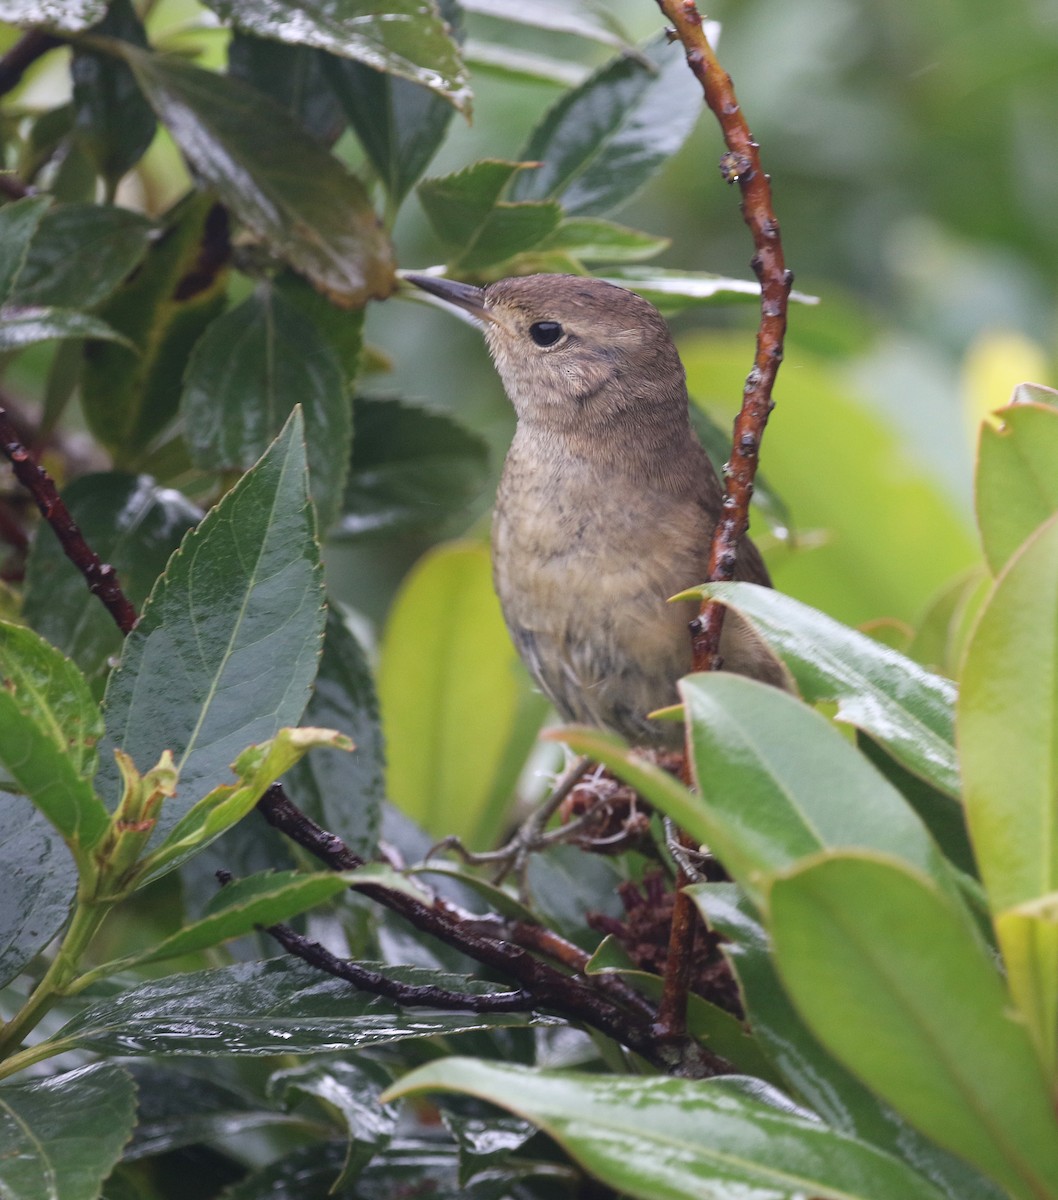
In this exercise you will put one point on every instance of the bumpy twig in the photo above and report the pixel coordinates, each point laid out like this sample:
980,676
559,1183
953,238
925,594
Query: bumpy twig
100,576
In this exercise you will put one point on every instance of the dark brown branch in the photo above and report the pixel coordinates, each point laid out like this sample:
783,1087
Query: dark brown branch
22,55
101,578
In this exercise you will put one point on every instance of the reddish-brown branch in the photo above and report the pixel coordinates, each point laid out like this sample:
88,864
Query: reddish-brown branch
100,576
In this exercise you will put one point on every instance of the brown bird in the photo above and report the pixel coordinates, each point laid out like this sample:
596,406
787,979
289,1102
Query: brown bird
607,501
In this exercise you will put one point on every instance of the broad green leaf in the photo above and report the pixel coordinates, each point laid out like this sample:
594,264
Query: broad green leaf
901,705
21,327
132,524
115,125
343,792
521,66
888,975
466,211
285,187
18,224
603,141
292,75
811,1072
80,254
410,469
62,1135
38,881
130,397
69,16
1007,717
49,730
401,37
1017,485
269,1008
591,239
449,691
225,651
940,639
245,375
595,25
679,1139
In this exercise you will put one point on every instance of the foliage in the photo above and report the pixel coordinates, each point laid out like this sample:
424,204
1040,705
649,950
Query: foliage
200,217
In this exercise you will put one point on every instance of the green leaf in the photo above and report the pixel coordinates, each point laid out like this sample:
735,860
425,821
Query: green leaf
596,26
466,211
1017,485
129,398
600,143
18,225
521,66
400,37
940,639
225,651
591,239
63,1135
49,730
904,707
70,16
449,691
276,1007
295,76
245,375
343,792
285,187
411,469
115,125
680,1139
80,254
890,977
39,884
21,327
1007,716
133,525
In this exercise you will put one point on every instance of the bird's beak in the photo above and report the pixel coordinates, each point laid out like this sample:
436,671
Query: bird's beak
463,295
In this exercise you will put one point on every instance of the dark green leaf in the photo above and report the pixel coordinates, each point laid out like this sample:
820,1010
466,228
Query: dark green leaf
891,978
603,141
402,37
522,66
294,76
246,374
681,1139
114,122
38,882
63,1135
49,730
277,1007
285,187
225,651
411,469
21,327
132,524
80,255
597,26
129,398
18,224
343,792
70,16
591,239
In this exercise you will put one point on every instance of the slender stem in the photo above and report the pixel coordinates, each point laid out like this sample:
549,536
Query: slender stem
22,55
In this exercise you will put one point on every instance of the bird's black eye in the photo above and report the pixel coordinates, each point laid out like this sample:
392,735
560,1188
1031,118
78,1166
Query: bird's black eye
545,333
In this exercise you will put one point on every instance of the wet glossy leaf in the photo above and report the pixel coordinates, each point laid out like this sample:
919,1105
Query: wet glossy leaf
63,1135
1017,485
132,524
276,1007
49,730
38,881
679,1139
115,125
18,225
410,469
285,187
596,25
892,979
591,239
343,792
449,691
402,37
901,705
70,16
522,66
1008,712
21,327
295,76
129,398
225,651
603,141
245,375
